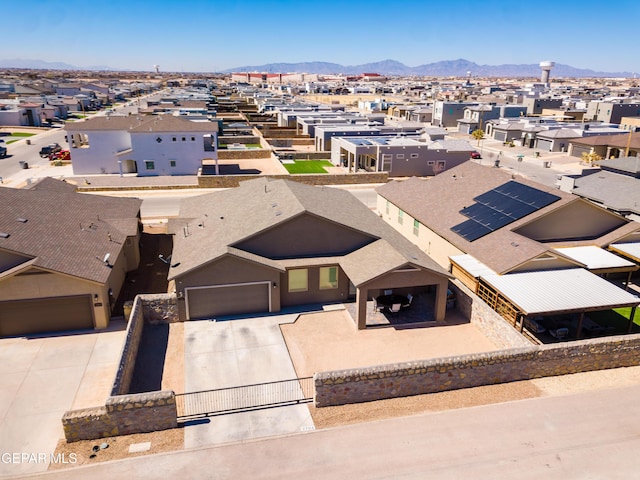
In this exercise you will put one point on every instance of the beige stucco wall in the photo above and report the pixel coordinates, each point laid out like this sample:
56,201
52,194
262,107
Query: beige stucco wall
438,248
313,293
579,219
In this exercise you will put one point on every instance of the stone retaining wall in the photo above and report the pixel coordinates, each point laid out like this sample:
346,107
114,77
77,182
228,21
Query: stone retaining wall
229,181
244,139
252,153
452,373
287,142
487,320
122,415
129,351
159,308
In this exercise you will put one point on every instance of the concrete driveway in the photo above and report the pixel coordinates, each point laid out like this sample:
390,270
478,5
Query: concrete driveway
42,377
239,352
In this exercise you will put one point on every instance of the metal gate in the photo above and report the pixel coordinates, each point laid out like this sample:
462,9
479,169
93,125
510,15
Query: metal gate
245,397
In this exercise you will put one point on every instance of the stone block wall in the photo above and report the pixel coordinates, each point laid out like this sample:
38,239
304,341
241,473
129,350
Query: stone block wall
487,320
244,139
252,154
287,142
159,308
229,181
452,373
129,351
122,415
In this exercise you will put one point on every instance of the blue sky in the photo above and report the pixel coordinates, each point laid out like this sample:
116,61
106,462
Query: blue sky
205,35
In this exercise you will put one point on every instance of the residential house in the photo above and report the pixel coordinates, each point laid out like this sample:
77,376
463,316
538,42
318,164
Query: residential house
625,143
148,146
63,257
615,186
611,112
268,245
536,105
400,156
504,237
446,114
475,116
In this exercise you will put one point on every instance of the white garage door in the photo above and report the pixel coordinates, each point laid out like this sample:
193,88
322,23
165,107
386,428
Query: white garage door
218,300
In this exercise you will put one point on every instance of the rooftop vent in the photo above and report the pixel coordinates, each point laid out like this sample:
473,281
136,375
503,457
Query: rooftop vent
22,220
4,235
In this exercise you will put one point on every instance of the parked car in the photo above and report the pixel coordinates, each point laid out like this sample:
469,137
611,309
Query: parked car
3,151
49,149
476,155
61,155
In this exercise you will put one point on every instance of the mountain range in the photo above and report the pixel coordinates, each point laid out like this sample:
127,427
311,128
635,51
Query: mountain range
446,68
43,65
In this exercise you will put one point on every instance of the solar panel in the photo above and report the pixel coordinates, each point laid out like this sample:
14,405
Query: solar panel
500,207
471,230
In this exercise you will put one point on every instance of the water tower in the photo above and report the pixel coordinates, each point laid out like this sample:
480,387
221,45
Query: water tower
157,68
546,67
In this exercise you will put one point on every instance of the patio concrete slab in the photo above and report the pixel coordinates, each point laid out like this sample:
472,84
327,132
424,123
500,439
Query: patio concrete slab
238,352
41,377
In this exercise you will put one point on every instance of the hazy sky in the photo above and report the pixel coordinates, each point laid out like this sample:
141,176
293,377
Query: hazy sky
213,35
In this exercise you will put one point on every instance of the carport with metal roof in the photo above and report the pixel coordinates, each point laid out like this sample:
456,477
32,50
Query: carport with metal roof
552,292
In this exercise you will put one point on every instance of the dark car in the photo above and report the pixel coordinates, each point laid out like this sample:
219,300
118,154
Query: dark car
475,155
3,151
49,149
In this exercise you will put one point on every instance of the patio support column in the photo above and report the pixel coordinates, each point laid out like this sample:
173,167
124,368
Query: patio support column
441,302
579,329
631,316
626,284
361,308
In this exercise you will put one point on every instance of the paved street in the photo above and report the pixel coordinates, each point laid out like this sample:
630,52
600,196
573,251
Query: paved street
585,436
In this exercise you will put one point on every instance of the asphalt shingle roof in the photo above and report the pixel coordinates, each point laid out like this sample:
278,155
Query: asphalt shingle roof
65,231
210,225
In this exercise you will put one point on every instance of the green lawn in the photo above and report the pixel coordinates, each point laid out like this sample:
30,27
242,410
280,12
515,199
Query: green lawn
617,318
308,166
14,137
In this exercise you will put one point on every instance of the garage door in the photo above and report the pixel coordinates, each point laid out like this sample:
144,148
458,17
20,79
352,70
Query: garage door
219,300
544,144
22,317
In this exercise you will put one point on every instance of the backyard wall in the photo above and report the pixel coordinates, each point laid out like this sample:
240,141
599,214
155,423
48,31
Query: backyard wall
485,319
452,373
228,181
125,413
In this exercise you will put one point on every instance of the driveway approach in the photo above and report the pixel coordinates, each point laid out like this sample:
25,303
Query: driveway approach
239,352
41,378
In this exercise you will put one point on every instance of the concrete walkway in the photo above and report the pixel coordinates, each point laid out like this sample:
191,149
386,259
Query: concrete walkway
239,352
585,436
41,377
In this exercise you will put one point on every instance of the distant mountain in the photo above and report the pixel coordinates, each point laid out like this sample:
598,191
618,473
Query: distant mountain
42,65
446,68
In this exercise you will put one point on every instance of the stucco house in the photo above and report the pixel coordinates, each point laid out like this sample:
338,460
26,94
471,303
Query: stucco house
400,156
149,146
267,245
63,257
509,240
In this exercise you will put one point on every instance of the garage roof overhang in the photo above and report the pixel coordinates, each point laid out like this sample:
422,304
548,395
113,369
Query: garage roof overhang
560,291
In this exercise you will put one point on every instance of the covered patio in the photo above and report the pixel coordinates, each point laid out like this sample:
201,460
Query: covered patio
378,270
574,291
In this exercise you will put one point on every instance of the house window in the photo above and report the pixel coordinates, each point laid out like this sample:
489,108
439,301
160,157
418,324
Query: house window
149,165
414,155
328,278
193,139
298,280
416,227
400,156
387,208
172,163
184,139
174,139
400,216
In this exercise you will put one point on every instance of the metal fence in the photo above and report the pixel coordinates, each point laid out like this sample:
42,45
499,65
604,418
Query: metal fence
245,397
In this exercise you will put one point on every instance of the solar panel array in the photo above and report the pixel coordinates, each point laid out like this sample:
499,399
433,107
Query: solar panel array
500,207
